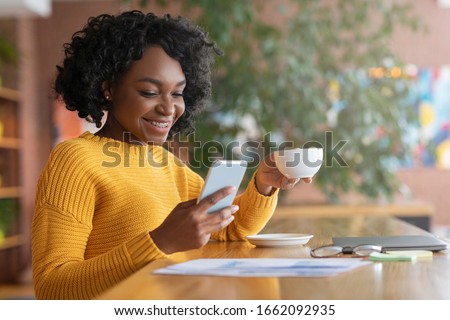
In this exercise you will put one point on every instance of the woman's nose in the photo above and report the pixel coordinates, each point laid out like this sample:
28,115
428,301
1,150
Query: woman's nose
166,106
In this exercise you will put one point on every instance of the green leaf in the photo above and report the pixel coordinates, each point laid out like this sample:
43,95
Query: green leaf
7,51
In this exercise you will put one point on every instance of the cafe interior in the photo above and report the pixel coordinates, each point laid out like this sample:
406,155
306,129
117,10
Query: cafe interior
378,103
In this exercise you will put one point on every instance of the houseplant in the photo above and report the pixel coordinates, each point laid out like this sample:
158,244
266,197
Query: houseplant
8,53
303,71
8,209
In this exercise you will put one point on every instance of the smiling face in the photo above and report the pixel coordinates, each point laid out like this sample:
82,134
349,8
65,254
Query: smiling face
147,100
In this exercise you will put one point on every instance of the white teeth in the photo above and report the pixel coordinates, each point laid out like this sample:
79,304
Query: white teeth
159,124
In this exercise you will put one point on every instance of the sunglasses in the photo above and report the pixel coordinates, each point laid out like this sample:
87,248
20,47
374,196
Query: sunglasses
333,251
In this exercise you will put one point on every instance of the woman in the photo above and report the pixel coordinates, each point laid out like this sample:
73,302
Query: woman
102,212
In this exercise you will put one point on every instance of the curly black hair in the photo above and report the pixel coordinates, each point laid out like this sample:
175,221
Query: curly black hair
107,47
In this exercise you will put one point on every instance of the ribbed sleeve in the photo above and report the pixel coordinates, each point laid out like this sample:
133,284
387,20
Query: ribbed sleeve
254,212
60,270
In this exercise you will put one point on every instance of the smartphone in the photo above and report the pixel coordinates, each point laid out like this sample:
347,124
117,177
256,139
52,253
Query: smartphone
221,174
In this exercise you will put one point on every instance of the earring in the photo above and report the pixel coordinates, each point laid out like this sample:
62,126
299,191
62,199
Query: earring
107,97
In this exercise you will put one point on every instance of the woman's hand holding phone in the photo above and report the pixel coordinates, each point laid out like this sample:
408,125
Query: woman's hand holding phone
189,225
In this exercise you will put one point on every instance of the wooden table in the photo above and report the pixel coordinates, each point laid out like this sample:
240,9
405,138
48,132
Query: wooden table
429,279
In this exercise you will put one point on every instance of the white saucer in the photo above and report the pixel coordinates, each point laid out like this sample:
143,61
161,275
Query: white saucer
279,239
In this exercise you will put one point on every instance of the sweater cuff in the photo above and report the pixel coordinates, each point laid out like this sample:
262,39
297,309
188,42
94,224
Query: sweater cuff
260,200
142,250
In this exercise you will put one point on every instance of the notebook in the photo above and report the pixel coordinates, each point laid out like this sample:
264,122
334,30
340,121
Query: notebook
409,242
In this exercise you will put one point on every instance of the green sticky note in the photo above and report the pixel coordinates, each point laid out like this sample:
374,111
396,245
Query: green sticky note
376,256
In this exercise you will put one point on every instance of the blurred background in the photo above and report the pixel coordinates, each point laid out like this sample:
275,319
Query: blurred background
367,80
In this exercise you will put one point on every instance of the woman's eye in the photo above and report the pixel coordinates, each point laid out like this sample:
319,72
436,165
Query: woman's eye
178,94
148,93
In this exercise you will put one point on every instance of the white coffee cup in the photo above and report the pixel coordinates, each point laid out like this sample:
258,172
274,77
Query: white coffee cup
299,162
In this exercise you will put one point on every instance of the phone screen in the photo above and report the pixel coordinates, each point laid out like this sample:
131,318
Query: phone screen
221,174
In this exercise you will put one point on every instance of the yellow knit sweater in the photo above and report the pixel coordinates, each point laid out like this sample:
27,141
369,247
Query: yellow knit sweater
97,200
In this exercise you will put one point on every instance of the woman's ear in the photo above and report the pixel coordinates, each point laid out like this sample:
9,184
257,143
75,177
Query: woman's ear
106,90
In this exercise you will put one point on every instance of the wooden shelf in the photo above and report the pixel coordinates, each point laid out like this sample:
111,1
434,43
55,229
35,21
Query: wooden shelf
11,242
9,143
9,94
11,192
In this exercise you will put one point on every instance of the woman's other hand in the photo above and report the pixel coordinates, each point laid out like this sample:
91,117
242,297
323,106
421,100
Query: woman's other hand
269,177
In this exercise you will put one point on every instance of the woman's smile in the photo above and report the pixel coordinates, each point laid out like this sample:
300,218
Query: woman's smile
157,127
158,124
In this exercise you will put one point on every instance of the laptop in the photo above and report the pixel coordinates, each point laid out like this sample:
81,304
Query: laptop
392,243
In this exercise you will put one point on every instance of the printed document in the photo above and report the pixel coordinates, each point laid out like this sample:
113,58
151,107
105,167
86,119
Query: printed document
257,267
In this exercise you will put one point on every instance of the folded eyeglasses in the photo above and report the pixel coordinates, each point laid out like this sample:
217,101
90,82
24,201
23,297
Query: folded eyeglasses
333,251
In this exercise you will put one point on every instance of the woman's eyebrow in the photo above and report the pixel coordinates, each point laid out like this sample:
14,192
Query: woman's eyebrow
158,82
